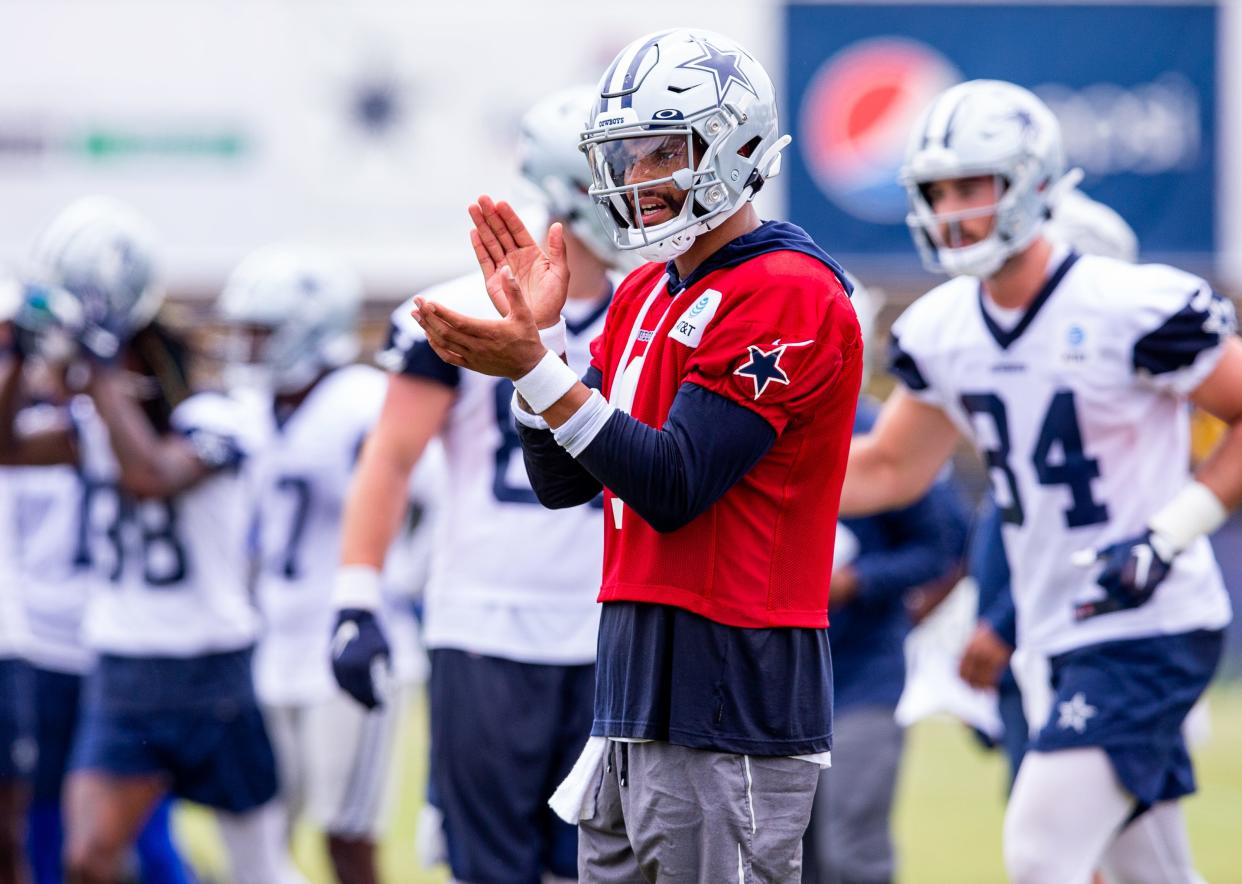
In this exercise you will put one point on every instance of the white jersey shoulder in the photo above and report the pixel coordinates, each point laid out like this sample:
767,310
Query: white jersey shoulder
1077,405
465,294
491,588
176,567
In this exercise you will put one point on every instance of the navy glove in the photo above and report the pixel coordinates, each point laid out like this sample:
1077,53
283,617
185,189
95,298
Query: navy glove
1132,570
360,656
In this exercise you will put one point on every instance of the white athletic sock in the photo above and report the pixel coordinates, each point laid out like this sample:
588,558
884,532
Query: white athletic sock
1065,810
256,846
1154,849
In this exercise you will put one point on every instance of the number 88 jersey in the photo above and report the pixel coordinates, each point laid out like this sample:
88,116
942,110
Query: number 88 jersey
1078,407
173,569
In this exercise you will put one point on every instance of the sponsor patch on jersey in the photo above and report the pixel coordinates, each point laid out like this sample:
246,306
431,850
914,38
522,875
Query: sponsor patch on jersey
688,329
1074,343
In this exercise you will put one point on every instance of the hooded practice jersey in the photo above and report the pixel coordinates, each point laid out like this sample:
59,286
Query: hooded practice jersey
509,578
1078,407
174,568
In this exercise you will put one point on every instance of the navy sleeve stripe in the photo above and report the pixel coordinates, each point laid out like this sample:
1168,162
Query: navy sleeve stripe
1178,342
420,361
903,366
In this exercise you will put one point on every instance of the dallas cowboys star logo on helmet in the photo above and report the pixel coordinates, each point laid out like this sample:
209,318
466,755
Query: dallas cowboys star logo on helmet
725,66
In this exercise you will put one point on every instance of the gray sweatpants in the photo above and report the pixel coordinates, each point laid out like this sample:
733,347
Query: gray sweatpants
664,814
850,839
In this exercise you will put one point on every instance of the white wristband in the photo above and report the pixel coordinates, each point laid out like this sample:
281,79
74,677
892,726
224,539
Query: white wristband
554,337
356,586
524,417
547,382
1194,512
584,424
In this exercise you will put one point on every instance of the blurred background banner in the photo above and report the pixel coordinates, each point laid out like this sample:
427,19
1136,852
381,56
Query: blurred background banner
1133,85
363,128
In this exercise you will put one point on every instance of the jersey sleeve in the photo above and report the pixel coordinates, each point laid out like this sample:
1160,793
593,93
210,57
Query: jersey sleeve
216,427
912,352
1182,327
778,353
406,351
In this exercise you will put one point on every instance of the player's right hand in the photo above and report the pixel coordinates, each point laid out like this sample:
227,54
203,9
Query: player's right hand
500,239
1132,570
360,656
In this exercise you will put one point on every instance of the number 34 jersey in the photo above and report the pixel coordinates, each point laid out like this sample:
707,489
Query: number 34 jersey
1078,407
173,569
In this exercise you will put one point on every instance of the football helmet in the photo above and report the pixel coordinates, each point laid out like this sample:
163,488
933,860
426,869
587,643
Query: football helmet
984,127
550,160
682,134
292,314
92,276
1092,228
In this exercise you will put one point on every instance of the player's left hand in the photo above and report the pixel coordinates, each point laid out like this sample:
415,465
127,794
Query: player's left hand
508,347
360,656
1132,570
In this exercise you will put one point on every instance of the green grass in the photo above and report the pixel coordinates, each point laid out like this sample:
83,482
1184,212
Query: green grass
948,818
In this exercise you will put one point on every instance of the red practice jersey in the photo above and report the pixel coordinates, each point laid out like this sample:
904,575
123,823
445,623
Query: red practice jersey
776,334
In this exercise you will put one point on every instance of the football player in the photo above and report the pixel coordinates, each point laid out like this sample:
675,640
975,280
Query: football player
716,418
56,579
510,616
169,706
1071,374
291,338
1090,228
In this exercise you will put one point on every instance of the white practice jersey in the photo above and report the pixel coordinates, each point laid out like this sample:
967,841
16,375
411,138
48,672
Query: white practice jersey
302,478
175,568
13,633
1079,410
509,578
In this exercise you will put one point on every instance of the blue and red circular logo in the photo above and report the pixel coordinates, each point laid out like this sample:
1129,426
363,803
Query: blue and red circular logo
856,118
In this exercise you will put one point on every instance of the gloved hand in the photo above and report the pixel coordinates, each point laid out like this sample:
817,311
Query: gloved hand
48,312
360,656
1132,570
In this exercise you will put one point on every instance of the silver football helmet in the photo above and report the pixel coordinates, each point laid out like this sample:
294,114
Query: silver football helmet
292,314
93,276
1092,228
984,127
682,134
551,161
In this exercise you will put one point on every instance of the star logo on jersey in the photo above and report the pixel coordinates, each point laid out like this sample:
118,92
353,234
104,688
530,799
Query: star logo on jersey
763,367
1075,713
725,66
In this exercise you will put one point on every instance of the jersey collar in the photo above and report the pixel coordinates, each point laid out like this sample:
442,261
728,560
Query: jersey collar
770,236
1005,338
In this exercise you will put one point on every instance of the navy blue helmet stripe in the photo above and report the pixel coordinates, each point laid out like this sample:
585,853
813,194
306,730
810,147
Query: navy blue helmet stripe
627,85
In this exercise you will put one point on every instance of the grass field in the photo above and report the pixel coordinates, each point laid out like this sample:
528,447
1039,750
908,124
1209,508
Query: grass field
948,821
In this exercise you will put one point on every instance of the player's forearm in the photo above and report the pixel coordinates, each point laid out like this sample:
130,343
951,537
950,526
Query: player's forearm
1221,473
375,505
876,481
151,466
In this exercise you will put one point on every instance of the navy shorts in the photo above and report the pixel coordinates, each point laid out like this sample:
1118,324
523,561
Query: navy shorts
56,721
1130,698
503,736
18,749
193,721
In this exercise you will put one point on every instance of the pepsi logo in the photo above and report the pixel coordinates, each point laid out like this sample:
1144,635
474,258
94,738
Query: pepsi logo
856,117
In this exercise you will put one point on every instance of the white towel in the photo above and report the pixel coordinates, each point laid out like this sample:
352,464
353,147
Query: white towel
572,799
